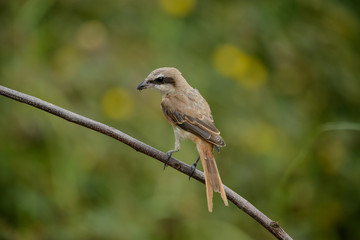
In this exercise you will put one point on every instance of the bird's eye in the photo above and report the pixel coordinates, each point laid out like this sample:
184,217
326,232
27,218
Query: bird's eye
160,80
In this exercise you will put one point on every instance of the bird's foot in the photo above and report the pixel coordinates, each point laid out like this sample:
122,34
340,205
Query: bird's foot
169,153
193,167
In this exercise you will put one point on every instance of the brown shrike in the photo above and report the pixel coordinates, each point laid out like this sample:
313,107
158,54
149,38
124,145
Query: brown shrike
190,116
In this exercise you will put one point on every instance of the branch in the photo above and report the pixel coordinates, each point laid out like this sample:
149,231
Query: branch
239,201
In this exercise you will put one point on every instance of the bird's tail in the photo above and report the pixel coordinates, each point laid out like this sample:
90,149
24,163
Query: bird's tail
212,177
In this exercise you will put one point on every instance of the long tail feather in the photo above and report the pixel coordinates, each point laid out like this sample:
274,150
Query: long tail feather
212,177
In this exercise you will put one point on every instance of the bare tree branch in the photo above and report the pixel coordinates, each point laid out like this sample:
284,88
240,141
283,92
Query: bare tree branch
239,201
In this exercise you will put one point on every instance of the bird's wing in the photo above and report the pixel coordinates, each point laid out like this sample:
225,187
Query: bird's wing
200,126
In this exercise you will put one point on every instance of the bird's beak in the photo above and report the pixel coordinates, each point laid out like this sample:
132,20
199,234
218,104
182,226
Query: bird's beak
143,85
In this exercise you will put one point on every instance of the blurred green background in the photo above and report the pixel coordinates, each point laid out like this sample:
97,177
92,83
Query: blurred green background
282,78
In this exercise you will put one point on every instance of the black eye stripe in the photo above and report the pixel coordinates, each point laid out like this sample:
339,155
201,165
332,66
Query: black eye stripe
169,80
162,80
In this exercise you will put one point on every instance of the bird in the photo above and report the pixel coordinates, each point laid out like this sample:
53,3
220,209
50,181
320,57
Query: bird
190,116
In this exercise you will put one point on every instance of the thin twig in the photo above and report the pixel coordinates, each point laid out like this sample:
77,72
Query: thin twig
239,201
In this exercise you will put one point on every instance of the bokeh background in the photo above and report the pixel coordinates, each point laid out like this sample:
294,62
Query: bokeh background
282,78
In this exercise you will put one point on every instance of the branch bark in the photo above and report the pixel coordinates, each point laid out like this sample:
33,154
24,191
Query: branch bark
272,226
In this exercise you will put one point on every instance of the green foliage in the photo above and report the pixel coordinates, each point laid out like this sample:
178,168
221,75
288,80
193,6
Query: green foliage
282,79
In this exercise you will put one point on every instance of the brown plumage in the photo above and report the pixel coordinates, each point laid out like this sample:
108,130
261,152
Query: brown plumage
190,115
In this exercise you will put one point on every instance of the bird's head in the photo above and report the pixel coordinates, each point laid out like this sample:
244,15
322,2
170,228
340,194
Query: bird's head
166,80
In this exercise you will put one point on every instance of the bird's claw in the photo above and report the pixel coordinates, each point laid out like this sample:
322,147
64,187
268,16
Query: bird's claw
193,167
168,160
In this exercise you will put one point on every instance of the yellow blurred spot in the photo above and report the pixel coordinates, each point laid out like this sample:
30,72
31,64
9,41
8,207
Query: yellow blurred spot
261,137
92,35
230,61
117,103
234,63
178,8
256,75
